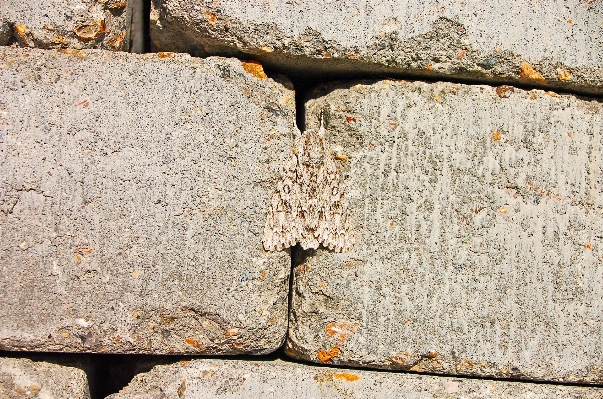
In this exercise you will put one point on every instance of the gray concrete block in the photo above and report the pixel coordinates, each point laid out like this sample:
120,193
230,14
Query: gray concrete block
480,211
560,45
24,378
75,24
133,194
278,379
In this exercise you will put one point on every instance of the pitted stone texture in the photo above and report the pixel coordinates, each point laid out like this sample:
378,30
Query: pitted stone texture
277,379
68,24
480,210
133,194
24,378
557,45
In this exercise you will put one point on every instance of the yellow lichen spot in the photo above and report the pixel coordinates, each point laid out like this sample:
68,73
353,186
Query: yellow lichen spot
346,376
437,98
563,75
70,51
496,135
551,93
429,68
267,49
254,68
65,334
325,356
21,30
165,54
136,273
461,54
342,158
503,210
210,17
569,21
527,72
59,40
417,368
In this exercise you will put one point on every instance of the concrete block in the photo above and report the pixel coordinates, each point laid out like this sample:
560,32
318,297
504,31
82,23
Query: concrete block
133,195
557,45
75,24
480,211
24,378
277,379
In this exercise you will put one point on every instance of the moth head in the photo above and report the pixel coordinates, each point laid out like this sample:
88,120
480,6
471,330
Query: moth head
313,149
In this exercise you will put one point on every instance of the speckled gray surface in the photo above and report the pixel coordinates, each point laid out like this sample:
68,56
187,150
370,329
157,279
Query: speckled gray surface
24,378
133,194
557,44
68,24
480,210
278,379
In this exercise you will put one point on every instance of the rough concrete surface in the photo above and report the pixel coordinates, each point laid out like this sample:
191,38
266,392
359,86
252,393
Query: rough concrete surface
133,194
24,378
548,44
480,210
60,24
277,379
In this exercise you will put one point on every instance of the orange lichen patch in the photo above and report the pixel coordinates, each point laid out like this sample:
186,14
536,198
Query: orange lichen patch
429,68
432,355
184,363
326,56
93,31
569,21
504,91
262,274
325,356
503,210
232,332
563,75
588,246
496,135
352,56
117,42
70,51
346,376
25,55
349,119
116,339
461,54
341,331
82,250
254,68
437,97
532,95
342,158
238,345
193,342
551,93
210,17
84,103
65,334
527,72
117,6
165,54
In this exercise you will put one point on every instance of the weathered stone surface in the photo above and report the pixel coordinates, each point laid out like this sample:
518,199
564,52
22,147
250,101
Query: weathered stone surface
133,194
480,210
75,24
277,379
557,45
24,378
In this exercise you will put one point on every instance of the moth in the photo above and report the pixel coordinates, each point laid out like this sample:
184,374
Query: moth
308,206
